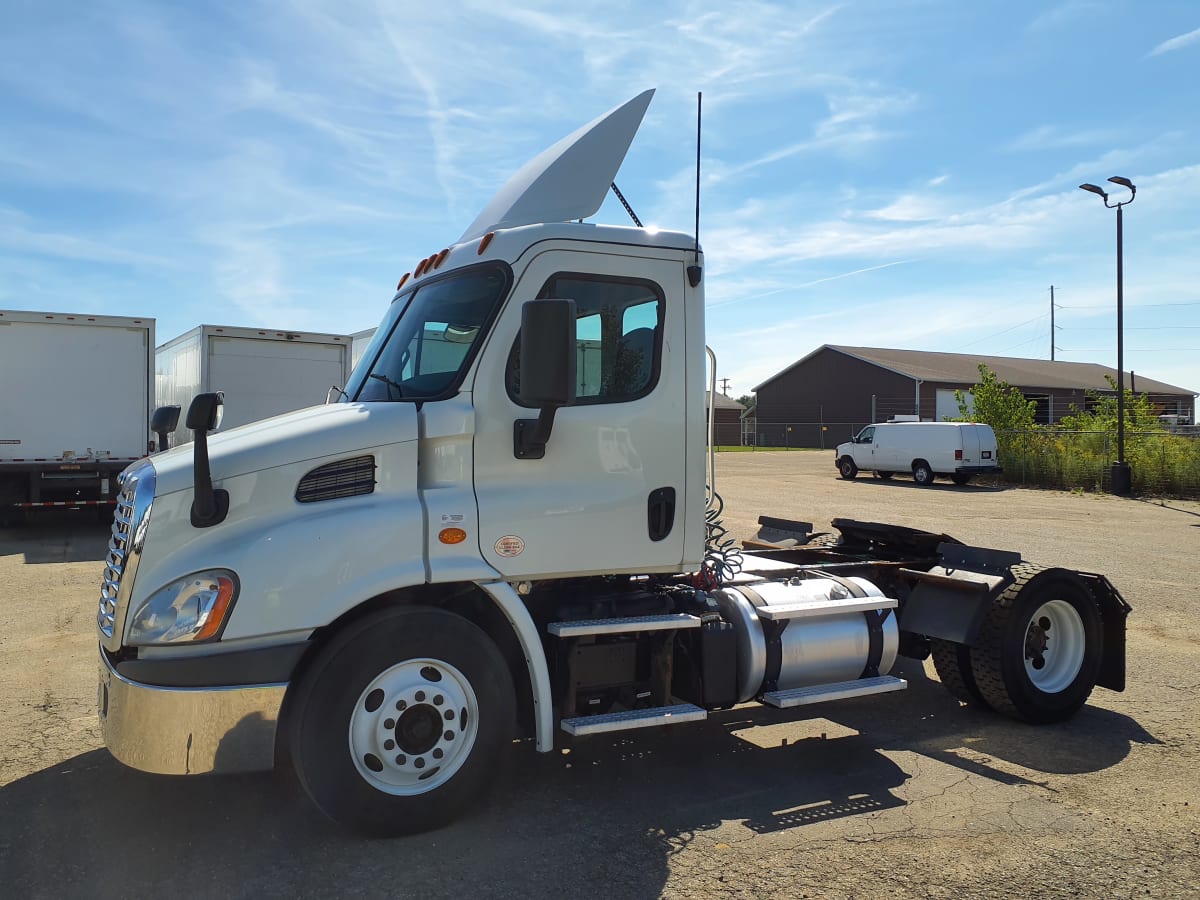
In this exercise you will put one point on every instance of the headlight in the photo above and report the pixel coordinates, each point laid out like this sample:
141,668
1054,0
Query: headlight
191,609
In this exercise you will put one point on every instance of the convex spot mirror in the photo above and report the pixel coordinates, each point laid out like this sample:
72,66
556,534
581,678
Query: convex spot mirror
205,412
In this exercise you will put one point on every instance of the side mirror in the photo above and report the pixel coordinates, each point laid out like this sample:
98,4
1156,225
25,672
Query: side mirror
205,412
209,506
548,360
163,422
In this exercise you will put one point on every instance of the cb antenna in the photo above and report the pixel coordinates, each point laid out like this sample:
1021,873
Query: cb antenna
694,271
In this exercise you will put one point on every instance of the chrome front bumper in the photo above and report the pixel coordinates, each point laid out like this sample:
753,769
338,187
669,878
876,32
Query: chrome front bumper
188,731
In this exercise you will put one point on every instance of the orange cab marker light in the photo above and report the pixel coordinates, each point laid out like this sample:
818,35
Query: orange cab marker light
216,617
420,268
441,258
452,535
402,280
483,243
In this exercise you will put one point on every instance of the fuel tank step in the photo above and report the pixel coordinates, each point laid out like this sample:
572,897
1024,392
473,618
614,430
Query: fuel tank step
634,718
628,624
824,607
842,690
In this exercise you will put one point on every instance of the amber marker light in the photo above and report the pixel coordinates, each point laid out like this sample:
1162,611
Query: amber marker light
402,280
452,535
483,243
216,616
441,258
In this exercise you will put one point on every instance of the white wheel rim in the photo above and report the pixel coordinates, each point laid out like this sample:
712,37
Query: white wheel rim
1055,644
413,727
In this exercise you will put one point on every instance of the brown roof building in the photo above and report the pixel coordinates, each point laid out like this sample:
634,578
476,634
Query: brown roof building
834,391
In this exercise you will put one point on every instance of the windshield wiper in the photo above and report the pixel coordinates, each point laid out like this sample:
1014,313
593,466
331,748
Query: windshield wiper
391,384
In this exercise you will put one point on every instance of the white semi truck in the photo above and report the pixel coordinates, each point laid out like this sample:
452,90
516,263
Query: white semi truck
477,545
261,372
76,393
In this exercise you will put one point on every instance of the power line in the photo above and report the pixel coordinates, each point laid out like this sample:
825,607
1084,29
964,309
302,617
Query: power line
1138,306
1005,331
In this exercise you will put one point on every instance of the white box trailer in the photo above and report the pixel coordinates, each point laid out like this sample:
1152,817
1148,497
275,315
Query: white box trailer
360,340
74,409
262,372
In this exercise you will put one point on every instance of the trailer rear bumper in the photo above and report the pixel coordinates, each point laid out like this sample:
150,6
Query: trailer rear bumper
188,730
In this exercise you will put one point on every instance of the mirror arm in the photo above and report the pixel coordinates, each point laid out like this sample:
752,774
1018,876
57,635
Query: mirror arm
531,435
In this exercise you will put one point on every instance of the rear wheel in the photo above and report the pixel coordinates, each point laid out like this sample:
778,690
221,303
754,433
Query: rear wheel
1038,654
953,665
922,474
397,725
847,468
958,478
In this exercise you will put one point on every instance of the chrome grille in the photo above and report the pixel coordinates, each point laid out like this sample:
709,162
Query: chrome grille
129,522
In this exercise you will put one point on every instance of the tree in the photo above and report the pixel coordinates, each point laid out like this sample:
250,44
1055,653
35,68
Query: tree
996,403
1100,412
746,400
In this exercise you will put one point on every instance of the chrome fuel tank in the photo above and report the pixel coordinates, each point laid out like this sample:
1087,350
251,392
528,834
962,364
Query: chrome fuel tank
800,633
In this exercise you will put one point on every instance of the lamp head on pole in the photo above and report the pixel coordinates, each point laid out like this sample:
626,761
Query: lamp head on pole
1125,183
1095,189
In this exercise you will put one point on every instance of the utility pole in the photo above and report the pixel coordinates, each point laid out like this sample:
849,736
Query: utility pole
725,386
1051,323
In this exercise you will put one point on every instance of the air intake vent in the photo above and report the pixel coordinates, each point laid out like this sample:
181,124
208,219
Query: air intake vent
344,478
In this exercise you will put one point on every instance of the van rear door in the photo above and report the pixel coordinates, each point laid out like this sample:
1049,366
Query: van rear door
973,445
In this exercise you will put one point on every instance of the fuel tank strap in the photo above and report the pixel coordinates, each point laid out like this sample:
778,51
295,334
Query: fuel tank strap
875,619
773,635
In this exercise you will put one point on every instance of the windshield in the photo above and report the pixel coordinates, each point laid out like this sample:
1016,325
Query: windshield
429,337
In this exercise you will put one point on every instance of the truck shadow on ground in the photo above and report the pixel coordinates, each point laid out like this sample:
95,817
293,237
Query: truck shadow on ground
58,536
608,816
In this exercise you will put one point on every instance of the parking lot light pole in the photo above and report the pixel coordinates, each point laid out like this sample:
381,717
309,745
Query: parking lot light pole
1122,476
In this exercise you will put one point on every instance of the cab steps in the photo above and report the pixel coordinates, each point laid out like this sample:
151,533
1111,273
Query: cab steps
626,625
634,718
840,690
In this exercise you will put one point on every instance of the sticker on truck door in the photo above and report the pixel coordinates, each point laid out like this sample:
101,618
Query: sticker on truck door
509,546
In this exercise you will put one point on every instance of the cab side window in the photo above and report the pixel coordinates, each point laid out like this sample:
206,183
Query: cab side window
618,336
866,436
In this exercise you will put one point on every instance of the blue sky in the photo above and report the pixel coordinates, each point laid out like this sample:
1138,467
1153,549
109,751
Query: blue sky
895,174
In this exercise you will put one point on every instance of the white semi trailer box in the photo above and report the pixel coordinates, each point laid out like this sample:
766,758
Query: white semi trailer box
75,401
261,372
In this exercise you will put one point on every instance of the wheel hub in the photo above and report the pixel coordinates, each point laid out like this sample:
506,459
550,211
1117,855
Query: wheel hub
413,727
1055,645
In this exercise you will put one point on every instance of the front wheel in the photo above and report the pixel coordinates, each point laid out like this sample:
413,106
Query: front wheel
1039,652
397,725
847,468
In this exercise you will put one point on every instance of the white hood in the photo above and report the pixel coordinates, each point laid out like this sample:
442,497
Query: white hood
569,180
314,433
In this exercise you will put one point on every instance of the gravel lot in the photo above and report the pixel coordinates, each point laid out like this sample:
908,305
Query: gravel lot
902,795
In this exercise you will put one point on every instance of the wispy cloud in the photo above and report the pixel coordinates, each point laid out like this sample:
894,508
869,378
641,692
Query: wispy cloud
1055,137
1175,43
1063,13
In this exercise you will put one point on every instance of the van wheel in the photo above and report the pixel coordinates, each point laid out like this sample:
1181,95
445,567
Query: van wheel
922,474
1038,654
960,479
885,475
847,467
398,724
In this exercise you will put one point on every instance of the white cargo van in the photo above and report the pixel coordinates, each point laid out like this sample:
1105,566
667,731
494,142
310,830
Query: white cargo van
957,450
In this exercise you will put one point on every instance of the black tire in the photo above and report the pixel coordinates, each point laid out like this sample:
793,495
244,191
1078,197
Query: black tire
1008,637
953,665
922,473
847,468
885,475
960,479
373,650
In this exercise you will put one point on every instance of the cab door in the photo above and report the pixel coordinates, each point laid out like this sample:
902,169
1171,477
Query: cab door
608,496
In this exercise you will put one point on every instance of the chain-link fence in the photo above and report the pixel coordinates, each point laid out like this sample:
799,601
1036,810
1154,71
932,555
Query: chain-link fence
1161,463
